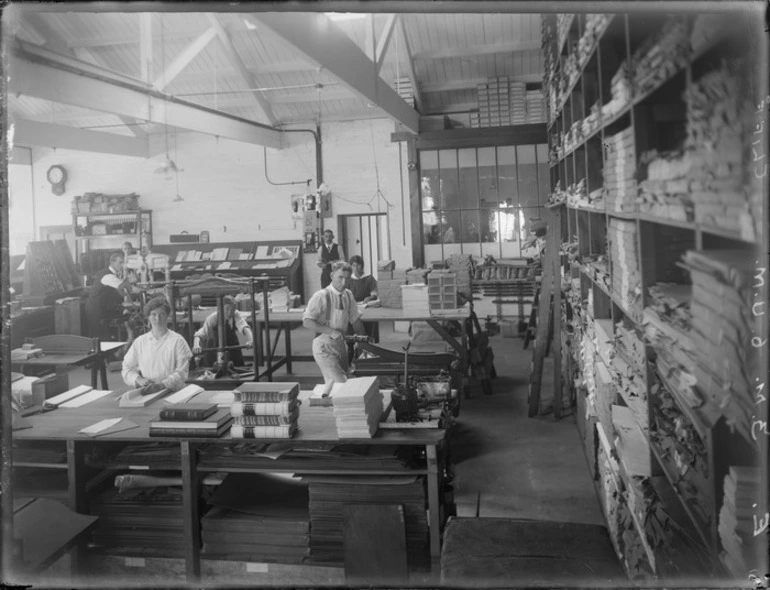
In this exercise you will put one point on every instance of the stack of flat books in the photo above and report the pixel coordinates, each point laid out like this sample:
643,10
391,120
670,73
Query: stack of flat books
737,518
358,408
265,410
204,420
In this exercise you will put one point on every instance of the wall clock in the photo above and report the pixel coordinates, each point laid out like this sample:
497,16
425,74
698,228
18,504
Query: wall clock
57,176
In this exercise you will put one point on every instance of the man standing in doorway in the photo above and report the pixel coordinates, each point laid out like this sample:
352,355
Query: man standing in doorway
328,252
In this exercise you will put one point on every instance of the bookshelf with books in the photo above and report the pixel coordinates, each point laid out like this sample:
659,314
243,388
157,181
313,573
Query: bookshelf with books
281,260
652,121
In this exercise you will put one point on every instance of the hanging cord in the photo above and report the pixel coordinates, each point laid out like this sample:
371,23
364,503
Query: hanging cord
378,193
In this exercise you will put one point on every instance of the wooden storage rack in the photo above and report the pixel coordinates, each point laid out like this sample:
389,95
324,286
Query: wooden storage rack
590,159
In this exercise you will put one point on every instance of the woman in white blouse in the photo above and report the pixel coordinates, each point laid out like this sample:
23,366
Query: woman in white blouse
160,358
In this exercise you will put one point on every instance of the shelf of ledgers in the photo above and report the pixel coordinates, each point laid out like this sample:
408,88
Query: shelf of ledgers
651,119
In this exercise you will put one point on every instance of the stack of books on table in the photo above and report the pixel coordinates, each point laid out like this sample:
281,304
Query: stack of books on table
358,407
265,410
204,420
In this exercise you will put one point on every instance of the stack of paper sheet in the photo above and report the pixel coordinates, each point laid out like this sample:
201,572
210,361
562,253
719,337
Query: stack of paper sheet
619,169
737,519
723,327
626,277
415,300
269,523
329,494
661,55
358,408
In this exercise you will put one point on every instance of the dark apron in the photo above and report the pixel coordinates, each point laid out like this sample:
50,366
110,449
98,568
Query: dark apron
231,339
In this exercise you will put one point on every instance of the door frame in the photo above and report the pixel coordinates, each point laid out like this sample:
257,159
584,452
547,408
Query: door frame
383,246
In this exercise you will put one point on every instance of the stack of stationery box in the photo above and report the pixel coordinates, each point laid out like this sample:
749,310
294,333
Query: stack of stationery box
619,169
389,287
624,260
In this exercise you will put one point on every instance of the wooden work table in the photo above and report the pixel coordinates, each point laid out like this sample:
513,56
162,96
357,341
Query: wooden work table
316,424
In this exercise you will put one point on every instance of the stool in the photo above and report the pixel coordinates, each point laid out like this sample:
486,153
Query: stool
485,552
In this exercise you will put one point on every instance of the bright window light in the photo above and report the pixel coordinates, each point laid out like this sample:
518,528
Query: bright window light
338,16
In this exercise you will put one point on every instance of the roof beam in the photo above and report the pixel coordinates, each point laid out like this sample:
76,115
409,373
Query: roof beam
184,58
478,50
35,133
384,42
99,94
145,46
134,40
237,62
474,82
410,71
53,39
322,42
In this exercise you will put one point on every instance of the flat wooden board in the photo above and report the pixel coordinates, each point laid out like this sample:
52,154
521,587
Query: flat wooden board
375,543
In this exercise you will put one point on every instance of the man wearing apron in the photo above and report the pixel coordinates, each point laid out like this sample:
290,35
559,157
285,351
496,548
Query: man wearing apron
328,253
329,313
208,335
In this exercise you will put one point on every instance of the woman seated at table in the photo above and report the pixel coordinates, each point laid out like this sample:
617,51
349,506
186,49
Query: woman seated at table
363,287
208,335
160,358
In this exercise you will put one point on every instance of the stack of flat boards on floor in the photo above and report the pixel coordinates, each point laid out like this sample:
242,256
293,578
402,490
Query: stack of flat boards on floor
258,517
358,407
140,520
330,494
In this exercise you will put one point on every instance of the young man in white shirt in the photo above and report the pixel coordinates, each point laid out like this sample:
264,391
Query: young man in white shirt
208,335
329,312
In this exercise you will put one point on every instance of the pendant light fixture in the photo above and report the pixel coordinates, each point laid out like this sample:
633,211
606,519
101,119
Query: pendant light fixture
169,167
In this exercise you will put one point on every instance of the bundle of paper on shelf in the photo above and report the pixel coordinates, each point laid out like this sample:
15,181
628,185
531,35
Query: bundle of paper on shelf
588,354
603,340
358,408
737,519
557,196
626,277
619,170
671,301
598,269
609,484
265,410
631,442
661,55
592,120
631,386
270,523
462,266
720,122
620,93
576,193
675,434
707,30
330,493
563,24
635,557
630,346
723,326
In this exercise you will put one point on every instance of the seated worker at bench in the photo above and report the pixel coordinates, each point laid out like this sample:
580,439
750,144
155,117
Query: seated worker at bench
160,358
208,335
329,313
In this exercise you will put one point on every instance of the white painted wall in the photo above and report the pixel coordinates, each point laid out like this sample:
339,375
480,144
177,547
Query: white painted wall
225,190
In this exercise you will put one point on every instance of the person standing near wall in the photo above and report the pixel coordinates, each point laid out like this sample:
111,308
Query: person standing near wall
328,252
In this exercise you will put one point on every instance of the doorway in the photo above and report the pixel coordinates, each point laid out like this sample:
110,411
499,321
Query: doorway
368,236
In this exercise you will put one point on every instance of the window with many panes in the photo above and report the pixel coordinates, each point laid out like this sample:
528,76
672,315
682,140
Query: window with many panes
479,200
